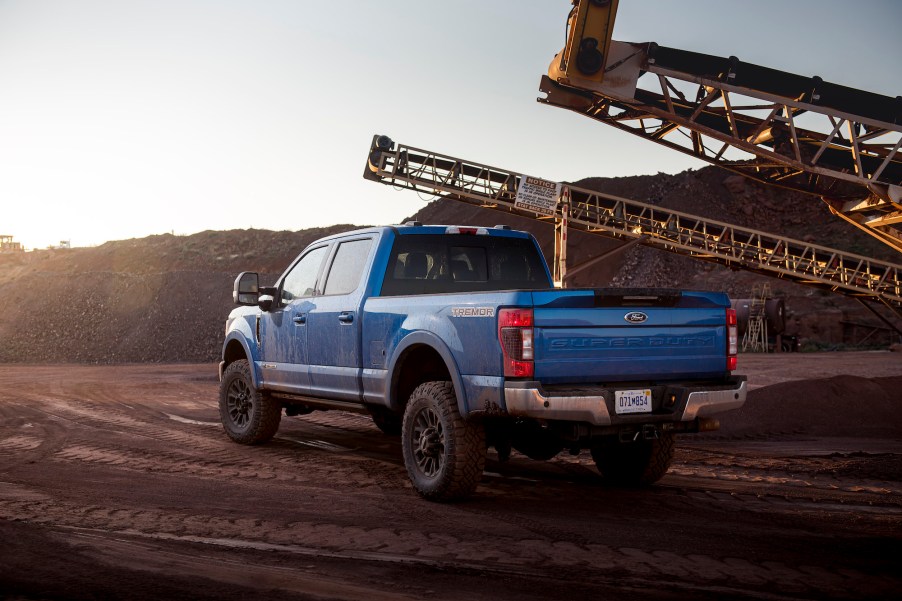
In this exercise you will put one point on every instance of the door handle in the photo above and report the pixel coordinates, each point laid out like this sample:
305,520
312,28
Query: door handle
346,317
300,318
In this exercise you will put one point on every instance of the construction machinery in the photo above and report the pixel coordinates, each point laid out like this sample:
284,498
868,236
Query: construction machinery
7,244
793,131
778,128
612,216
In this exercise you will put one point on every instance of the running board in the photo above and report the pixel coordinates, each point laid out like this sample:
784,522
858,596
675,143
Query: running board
320,404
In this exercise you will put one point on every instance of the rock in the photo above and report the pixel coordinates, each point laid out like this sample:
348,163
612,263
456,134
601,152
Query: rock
735,184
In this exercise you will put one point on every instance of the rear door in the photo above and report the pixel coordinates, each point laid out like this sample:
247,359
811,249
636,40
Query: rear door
333,325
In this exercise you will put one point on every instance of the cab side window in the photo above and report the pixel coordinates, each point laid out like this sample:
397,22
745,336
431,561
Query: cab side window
301,280
347,266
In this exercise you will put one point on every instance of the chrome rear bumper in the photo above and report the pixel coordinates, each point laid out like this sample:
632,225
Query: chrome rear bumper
529,399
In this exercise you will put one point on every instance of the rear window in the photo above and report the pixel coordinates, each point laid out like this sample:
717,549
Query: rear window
431,264
347,266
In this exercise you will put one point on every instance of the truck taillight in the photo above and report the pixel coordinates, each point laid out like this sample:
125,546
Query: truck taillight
472,231
515,334
732,339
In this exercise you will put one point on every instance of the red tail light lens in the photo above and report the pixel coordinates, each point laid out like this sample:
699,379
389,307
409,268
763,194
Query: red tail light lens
732,340
515,333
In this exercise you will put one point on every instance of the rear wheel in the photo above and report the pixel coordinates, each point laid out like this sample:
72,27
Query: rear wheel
444,454
248,416
634,463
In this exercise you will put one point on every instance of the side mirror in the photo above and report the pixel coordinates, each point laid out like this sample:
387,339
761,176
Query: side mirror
246,290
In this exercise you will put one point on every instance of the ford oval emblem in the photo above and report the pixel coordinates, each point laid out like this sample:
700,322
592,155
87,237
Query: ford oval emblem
635,317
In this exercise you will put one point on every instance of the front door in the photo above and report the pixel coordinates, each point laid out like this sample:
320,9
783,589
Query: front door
283,331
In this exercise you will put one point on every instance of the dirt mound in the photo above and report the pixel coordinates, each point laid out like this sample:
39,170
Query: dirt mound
841,406
165,298
157,299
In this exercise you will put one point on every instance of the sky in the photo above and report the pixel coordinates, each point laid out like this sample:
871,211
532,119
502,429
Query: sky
125,118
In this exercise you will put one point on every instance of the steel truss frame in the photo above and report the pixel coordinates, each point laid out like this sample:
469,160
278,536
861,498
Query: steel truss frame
785,127
674,231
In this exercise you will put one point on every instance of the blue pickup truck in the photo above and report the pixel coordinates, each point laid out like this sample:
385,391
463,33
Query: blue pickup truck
454,338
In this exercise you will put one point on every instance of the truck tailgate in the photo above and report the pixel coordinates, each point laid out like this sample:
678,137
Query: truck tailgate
622,335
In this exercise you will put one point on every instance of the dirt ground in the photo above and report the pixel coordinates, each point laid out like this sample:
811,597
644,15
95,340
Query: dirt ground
118,482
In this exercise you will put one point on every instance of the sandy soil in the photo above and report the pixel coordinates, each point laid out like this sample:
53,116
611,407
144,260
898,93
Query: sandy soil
117,482
764,370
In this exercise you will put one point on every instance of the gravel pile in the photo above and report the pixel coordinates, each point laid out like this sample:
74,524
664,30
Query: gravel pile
841,406
165,298
157,299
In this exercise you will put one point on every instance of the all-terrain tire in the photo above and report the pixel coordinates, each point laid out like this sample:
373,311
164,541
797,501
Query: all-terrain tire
248,416
634,463
444,454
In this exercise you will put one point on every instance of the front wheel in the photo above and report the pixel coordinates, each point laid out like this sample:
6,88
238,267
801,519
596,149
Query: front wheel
248,416
634,463
444,454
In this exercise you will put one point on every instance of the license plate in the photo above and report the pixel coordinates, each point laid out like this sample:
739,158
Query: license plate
633,401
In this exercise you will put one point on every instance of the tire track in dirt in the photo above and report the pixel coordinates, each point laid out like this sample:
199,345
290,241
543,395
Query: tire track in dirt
226,462
224,459
115,412
503,554
780,482
331,485
888,492
538,547
26,436
284,467
146,554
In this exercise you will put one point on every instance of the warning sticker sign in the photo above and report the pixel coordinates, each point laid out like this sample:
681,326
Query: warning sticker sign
538,195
